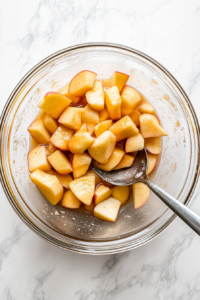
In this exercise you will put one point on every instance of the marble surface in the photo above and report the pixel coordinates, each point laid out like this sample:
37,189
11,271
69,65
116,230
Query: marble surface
167,267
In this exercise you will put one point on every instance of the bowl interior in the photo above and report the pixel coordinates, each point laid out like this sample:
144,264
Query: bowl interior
175,172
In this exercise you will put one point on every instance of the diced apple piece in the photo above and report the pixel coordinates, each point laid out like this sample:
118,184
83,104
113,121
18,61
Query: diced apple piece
146,108
121,193
50,123
37,159
95,96
149,126
126,162
135,117
130,99
71,118
81,83
63,179
60,163
61,137
54,103
65,91
38,132
89,208
152,160
101,193
80,141
103,146
103,115
113,103
83,188
134,143
124,128
98,179
101,127
50,149
119,79
107,210
153,145
48,185
90,116
70,200
112,162
141,194
80,164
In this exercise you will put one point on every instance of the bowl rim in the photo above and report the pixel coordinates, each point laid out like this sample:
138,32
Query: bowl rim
22,215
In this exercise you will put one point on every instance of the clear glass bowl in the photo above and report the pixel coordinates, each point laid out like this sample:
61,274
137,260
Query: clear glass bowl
178,169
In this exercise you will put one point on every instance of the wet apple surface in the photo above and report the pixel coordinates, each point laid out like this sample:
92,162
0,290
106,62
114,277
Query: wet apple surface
90,121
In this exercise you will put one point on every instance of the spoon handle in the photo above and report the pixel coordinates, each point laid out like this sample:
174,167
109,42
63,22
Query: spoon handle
189,217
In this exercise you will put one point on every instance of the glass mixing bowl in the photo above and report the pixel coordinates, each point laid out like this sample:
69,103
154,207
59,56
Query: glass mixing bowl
178,169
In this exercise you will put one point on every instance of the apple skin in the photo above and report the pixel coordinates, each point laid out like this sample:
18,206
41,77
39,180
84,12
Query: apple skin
50,93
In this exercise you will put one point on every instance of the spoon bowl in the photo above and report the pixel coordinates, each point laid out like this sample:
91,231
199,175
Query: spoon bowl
127,176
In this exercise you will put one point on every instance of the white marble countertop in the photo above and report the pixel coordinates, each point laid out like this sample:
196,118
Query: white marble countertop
167,267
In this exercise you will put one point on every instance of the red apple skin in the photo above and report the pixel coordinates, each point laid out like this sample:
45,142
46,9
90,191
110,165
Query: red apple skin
49,93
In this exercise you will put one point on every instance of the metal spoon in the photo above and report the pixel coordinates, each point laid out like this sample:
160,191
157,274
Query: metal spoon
138,173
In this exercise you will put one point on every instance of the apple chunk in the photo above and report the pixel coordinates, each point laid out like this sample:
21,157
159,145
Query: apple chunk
89,208
153,145
81,83
54,103
71,118
107,210
61,137
124,128
112,162
70,201
80,141
152,160
60,163
141,194
50,123
150,127
134,143
38,132
83,188
103,146
121,193
135,117
119,79
103,115
63,179
48,185
101,127
90,116
37,159
101,193
113,103
130,99
146,108
80,164
95,96
126,162
65,91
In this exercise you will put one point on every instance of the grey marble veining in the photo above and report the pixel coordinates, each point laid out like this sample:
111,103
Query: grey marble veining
168,267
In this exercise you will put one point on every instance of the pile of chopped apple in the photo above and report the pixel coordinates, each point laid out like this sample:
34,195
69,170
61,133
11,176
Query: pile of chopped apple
89,122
